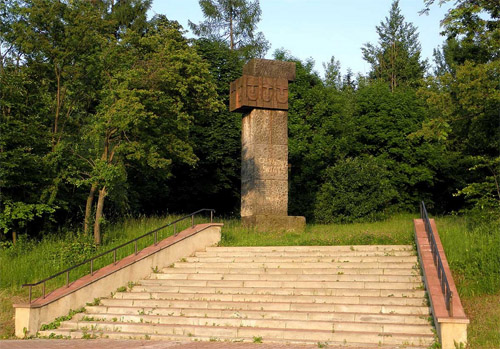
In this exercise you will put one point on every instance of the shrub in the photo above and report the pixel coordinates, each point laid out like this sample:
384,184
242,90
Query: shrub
354,189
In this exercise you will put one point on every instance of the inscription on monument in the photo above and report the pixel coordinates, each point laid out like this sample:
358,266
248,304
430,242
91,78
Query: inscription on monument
250,92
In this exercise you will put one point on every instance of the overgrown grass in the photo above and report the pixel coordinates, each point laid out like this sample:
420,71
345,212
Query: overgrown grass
473,252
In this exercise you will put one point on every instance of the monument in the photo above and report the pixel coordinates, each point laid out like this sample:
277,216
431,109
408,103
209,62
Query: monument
261,94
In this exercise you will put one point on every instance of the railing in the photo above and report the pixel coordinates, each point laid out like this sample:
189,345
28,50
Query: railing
445,286
113,250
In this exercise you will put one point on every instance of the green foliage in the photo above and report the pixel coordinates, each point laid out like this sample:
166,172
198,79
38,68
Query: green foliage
16,215
354,189
74,250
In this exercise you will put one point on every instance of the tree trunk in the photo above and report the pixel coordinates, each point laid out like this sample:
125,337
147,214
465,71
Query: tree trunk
98,216
231,35
58,109
88,208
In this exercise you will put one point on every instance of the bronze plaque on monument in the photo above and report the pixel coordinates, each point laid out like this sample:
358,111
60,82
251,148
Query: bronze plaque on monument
249,92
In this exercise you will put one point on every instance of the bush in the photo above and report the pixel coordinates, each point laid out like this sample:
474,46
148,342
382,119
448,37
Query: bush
355,189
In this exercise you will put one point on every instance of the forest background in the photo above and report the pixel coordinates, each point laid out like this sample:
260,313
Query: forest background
106,113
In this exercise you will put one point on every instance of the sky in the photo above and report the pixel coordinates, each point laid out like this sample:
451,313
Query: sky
318,29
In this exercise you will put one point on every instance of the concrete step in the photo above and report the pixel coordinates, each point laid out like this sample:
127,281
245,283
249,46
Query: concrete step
112,312
307,271
271,298
190,337
253,322
358,296
267,334
349,253
334,265
340,276
305,259
159,286
389,248
269,306
291,284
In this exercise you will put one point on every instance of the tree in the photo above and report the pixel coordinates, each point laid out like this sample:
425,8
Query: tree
233,22
465,97
50,85
333,76
216,141
396,59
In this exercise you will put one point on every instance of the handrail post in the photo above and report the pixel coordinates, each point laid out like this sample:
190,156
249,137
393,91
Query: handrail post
43,289
451,304
211,216
91,267
156,238
175,229
67,278
30,293
114,256
135,247
192,220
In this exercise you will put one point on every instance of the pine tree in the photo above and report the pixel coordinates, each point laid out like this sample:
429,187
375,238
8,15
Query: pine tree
396,58
233,22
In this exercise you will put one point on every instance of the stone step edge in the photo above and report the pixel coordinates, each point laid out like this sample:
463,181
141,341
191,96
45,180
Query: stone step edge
301,304
247,281
256,311
81,321
388,334
270,276
396,290
291,271
201,339
299,247
257,295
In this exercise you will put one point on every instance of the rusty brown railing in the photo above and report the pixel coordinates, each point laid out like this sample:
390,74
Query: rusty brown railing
445,286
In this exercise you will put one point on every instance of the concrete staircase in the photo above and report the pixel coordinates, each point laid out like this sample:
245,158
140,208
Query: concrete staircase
359,296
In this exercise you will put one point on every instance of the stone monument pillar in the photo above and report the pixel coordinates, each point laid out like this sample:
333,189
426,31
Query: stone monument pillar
261,94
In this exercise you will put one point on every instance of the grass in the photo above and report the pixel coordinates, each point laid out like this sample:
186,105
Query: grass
396,230
473,253
484,314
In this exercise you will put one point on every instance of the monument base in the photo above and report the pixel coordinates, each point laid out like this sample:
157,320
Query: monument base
275,223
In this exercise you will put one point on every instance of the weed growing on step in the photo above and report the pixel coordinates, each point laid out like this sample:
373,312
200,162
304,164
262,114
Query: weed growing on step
257,339
57,322
97,301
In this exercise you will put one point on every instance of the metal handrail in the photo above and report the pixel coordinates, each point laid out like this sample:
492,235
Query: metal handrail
445,286
113,250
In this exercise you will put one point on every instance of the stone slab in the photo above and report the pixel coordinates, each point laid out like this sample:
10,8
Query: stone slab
275,222
270,68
